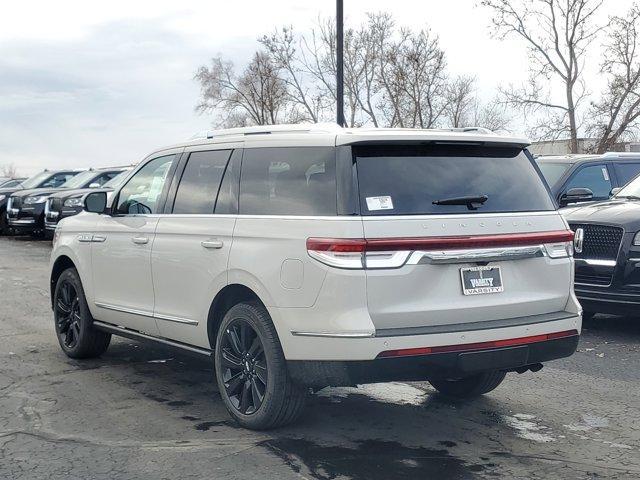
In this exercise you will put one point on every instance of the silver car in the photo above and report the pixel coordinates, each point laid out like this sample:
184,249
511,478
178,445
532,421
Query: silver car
301,257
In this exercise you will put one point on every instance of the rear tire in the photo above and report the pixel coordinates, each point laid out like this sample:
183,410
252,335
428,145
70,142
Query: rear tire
73,320
469,387
251,370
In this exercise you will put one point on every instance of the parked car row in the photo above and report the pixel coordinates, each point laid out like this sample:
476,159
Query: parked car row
35,205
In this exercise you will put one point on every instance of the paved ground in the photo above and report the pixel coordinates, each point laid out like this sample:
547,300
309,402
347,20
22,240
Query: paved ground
145,412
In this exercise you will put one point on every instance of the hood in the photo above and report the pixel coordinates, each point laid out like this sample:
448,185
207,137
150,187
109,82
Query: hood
9,191
625,213
66,193
37,192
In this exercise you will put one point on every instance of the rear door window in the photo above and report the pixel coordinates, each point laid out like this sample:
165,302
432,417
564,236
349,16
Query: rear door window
288,181
200,182
408,179
594,177
626,172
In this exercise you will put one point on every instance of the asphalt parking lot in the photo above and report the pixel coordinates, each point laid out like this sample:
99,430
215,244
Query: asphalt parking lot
146,412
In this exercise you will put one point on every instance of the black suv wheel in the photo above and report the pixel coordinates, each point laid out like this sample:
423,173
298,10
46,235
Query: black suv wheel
251,370
73,320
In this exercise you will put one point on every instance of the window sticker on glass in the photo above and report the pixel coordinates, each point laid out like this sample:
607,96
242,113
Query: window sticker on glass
379,203
605,173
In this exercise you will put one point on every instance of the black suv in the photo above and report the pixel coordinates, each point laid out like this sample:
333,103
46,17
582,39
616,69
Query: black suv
70,202
45,179
607,253
25,212
585,178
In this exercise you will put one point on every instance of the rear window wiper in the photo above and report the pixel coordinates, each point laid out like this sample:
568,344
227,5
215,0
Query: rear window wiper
629,197
471,201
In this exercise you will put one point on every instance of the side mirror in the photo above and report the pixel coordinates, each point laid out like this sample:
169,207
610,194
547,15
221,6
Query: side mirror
614,191
95,202
94,185
576,195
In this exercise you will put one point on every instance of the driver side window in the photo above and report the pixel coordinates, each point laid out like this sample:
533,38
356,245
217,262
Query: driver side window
141,193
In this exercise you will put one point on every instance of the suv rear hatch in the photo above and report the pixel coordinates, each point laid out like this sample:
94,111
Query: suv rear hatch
458,234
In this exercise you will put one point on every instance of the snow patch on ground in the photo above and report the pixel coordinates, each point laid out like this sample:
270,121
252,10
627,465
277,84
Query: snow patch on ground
393,392
527,428
589,422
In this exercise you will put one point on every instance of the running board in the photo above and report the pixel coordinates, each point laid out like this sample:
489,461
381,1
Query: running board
135,335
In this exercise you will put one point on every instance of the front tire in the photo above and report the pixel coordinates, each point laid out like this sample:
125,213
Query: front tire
73,320
251,370
469,387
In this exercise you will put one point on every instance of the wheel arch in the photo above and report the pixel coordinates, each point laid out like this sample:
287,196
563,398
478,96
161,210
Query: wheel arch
225,299
62,263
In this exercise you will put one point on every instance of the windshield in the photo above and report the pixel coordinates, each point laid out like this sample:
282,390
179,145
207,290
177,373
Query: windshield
79,180
632,189
36,180
553,171
117,180
446,179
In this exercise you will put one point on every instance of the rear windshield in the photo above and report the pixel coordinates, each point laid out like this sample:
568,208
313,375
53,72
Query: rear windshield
407,180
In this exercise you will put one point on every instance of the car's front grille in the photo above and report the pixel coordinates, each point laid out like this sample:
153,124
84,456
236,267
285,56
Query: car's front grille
595,279
16,202
55,204
601,242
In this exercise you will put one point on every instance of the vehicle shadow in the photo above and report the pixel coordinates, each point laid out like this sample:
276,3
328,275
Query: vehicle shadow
616,325
387,431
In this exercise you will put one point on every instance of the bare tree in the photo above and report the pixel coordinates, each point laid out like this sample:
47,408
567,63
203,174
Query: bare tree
461,101
492,115
557,33
412,79
257,96
9,171
283,46
616,115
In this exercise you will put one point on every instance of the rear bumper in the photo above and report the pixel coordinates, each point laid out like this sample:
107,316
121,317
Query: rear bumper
320,374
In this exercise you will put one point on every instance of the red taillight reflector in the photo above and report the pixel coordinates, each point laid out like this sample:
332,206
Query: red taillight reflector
343,245
509,342
437,243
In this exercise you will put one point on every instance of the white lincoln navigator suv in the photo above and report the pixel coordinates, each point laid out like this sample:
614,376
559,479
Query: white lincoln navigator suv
301,257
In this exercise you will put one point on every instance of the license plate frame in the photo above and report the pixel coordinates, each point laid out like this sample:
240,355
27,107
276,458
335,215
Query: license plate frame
475,280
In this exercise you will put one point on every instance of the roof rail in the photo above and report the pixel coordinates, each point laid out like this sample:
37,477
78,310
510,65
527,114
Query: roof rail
270,130
621,154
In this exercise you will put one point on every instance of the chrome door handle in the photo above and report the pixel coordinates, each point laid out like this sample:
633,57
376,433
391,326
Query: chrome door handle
140,240
212,243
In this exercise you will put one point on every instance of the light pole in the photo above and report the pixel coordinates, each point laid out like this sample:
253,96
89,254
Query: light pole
339,62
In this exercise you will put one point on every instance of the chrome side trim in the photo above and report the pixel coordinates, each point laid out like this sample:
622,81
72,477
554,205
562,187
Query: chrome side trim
145,313
170,318
136,335
596,262
333,334
116,308
476,255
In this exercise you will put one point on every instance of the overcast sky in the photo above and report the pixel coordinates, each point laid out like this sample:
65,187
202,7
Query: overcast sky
86,83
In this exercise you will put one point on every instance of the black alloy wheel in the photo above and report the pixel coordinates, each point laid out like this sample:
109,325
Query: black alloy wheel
73,322
244,367
67,312
251,370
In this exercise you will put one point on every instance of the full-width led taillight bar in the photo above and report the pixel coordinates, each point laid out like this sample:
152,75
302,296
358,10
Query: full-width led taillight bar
393,252
472,347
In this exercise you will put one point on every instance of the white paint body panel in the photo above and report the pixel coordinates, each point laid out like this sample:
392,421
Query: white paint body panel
172,280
